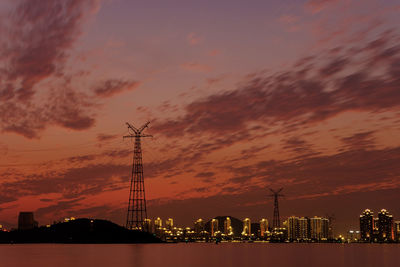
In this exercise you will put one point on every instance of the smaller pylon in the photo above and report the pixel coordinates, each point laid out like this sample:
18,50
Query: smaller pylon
276,223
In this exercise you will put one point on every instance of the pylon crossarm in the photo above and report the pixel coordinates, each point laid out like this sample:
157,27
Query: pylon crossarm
133,128
144,126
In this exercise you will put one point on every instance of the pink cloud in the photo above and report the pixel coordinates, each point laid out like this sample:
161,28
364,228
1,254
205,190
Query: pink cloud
316,6
196,67
193,38
112,87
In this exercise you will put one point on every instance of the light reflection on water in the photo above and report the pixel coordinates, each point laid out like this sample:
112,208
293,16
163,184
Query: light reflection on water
200,254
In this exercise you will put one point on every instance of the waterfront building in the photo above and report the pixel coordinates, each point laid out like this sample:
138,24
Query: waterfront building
147,225
324,229
385,226
293,228
199,226
366,225
228,227
315,227
157,223
246,227
396,231
26,221
353,236
263,227
214,227
319,228
169,224
304,228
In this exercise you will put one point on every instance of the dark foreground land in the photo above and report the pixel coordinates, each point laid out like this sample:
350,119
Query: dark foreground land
79,231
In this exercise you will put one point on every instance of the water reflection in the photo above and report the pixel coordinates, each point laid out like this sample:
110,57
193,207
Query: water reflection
198,254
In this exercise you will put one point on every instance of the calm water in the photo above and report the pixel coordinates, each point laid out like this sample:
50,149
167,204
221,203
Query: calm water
199,254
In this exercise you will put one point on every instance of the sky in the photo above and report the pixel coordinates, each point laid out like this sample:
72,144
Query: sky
242,96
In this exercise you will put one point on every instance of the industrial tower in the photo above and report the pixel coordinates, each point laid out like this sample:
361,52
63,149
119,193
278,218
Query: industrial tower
276,223
137,212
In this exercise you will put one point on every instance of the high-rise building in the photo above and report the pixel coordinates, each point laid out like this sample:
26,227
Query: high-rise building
385,226
366,225
157,223
26,221
214,227
246,227
324,229
396,231
199,226
304,228
315,227
169,224
293,228
228,226
263,227
147,225
319,228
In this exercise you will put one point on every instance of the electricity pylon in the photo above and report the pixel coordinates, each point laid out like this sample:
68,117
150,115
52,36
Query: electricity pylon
276,223
137,211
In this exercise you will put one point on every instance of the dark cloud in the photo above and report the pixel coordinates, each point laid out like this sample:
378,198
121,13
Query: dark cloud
334,66
356,169
40,33
363,140
295,100
298,145
69,109
106,137
71,183
206,177
59,209
34,49
112,87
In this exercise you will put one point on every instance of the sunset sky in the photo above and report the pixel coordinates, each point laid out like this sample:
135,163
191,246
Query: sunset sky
241,96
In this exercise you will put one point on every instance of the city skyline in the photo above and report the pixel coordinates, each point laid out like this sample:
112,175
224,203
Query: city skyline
306,229
241,97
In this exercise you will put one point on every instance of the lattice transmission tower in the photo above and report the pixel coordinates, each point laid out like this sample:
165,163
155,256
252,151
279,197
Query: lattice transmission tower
137,212
276,223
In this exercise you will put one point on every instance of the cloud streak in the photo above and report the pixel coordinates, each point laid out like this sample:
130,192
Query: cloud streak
304,94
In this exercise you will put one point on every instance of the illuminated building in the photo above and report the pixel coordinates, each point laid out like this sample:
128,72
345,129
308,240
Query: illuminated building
157,223
246,227
169,224
385,226
366,225
147,225
228,226
293,228
214,227
353,236
199,226
304,228
319,228
263,227
315,227
26,221
324,229
158,226
397,231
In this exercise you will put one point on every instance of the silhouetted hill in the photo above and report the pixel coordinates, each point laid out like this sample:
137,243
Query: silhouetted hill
237,225
79,231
